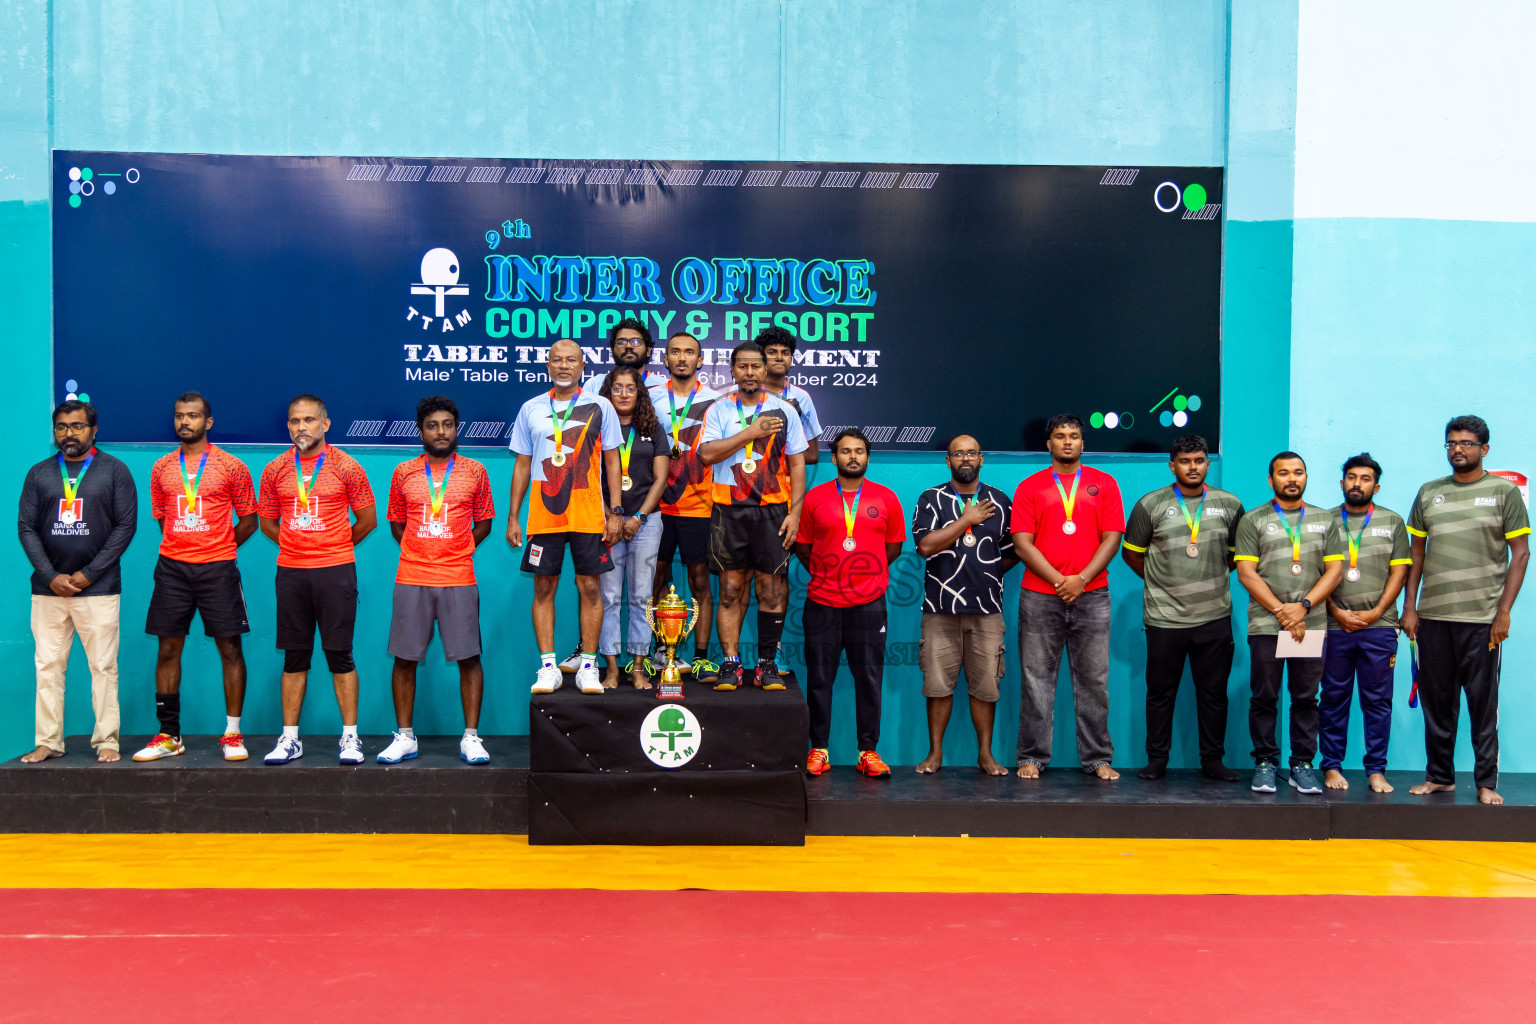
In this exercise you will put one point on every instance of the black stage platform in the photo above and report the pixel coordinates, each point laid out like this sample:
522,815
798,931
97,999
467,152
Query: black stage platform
199,792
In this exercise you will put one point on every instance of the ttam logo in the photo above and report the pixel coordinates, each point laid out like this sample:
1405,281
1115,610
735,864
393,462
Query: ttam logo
439,279
670,735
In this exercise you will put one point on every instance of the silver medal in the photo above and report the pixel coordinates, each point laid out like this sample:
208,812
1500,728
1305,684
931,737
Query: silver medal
848,544
435,528
190,521
1295,568
1069,527
1193,551
1352,574
301,521
969,540
67,518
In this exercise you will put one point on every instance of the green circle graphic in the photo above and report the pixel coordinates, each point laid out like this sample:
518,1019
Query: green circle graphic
1095,421
1180,403
85,174
74,201
1194,198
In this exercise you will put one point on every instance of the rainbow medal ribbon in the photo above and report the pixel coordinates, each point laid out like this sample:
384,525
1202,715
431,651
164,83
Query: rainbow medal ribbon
850,515
969,539
1353,572
435,526
679,420
1295,535
189,485
625,450
749,465
303,520
1413,654
1193,551
68,517
558,459
1068,502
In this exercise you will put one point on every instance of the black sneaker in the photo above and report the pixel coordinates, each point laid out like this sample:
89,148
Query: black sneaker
1219,772
767,676
730,675
572,663
1153,771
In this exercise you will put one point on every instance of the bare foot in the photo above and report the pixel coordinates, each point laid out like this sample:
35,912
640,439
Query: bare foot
640,679
1334,779
40,754
1106,773
932,763
611,680
987,763
106,756
1488,796
1432,787
1029,771
1379,783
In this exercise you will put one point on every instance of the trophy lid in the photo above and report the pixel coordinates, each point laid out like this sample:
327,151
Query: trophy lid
672,601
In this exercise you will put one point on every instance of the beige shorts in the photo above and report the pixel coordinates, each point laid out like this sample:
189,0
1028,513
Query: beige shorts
972,642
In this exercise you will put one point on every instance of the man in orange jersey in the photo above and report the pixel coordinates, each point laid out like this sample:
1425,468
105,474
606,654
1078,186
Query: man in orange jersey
567,444
194,491
306,494
440,509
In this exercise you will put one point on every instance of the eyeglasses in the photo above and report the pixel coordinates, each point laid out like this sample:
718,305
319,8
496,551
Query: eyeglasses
1468,445
629,342
73,429
965,456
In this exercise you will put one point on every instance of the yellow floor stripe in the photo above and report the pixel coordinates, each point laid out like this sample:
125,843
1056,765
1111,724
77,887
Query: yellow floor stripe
825,864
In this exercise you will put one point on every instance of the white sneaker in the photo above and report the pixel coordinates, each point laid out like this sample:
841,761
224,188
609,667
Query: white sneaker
473,751
588,680
233,745
572,663
351,750
288,749
549,680
401,748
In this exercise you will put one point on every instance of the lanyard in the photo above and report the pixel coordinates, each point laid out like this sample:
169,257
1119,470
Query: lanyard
561,421
72,489
1068,502
1295,534
1354,544
438,493
1194,524
965,503
850,515
190,483
1413,695
743,420
625,449
298,474
678,421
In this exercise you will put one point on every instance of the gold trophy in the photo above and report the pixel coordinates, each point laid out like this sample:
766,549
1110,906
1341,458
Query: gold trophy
669,619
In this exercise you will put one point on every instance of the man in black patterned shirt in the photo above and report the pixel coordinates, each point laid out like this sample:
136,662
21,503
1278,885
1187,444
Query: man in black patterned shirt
962,529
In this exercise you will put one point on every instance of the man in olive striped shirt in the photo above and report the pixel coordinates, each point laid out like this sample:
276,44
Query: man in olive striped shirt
1179,540
1471,543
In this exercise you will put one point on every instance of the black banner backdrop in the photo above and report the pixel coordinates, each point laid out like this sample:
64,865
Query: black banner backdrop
928,300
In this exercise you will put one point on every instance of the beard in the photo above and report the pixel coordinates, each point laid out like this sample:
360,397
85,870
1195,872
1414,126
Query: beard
74,447
631,358
192,438
965,475
441,451
1356,498
857,472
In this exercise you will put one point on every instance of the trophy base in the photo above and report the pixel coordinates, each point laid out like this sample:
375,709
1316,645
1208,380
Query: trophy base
672,690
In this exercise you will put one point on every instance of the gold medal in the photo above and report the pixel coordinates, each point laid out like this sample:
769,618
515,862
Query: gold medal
626,483
557,459
749,466
677,451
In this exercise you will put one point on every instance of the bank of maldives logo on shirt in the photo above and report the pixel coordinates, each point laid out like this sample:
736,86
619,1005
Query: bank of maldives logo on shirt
189,517
306,515
434,527
72,513
670,735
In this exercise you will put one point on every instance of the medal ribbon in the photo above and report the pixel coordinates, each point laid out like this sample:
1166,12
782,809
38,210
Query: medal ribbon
190,483
1354,545
745,424
438,493
850,515
625,449
1068,502
70,490
965,503
1194,524
1413,695
298,476
678,421
561,421
1295,534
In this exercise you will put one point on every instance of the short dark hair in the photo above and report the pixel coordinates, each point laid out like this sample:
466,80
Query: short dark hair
1471,424
1062,419
1285,455
1187,444
193,396
307,397
776,335
632,324
684,334
853,432
747,346
435,403
1361,461
74,405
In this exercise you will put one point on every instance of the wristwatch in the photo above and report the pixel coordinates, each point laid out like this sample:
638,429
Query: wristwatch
642,516
617,510
1305,604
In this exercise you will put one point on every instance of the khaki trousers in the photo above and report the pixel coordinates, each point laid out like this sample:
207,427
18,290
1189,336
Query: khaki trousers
55,621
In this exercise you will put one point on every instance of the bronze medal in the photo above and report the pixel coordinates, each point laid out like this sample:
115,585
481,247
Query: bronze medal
677,451
1193,551
1295,568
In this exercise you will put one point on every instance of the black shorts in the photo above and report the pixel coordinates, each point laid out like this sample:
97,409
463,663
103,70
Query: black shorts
688,534
310,598
184,588
544,553
747,537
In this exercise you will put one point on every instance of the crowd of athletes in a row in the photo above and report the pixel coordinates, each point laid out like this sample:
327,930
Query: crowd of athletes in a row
636,467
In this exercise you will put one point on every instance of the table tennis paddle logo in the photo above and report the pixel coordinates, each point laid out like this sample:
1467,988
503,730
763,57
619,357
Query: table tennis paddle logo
670,735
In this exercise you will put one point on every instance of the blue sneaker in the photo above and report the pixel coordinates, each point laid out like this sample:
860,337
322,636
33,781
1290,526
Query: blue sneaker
1263,778
1304,779
705,671
472,751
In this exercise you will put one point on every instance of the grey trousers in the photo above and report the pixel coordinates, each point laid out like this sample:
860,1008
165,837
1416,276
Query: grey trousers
1046,625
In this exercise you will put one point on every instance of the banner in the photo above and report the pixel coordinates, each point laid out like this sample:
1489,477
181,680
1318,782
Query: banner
928,300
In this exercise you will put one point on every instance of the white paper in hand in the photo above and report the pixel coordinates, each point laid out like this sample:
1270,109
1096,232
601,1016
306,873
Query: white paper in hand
1309,646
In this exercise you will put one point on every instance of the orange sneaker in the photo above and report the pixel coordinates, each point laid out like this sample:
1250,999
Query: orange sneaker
818,761
871,765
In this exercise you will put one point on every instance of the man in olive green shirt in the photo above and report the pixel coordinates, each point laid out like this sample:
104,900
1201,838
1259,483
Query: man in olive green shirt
1471,543
1289,557
1362,625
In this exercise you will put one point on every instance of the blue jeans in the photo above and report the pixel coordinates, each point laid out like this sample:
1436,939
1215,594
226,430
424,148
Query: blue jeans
1365,655
634,563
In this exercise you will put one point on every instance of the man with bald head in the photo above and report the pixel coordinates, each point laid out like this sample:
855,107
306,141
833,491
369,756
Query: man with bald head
962,529
566,444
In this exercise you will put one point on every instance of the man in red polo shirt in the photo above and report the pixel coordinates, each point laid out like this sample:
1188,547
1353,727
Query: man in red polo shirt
1067,524
850,531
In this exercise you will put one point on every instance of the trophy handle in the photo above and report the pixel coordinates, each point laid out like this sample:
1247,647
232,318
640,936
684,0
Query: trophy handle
692,621
650,619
